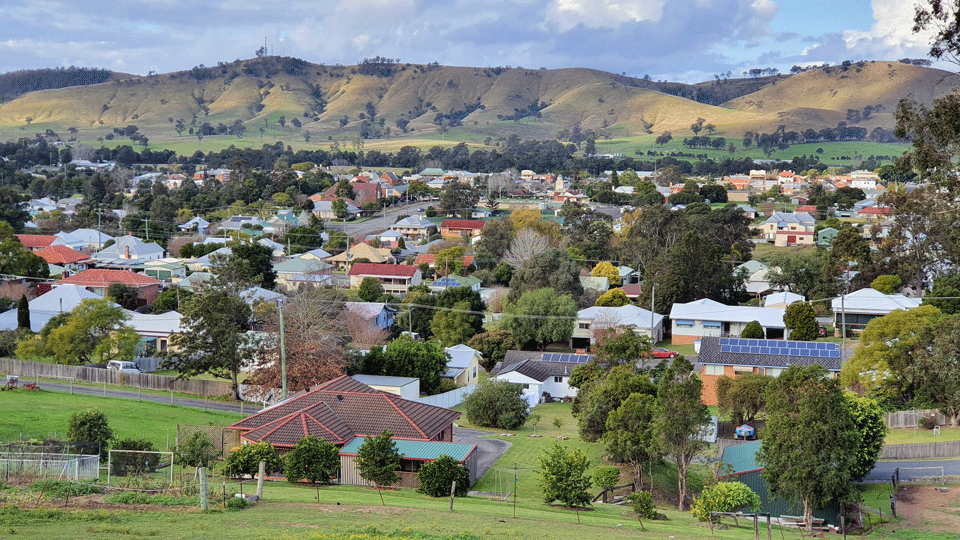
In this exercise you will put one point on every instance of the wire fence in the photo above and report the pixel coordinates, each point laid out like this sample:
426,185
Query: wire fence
25,466
222,438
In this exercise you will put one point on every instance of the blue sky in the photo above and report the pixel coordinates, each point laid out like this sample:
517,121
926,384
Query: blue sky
679,40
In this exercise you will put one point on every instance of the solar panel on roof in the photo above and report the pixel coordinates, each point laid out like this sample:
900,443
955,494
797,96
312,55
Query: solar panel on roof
549,357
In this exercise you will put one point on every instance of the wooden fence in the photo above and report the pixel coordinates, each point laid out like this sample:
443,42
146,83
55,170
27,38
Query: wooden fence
147,381
947,449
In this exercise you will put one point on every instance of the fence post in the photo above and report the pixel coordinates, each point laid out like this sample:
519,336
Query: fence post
453,490
104,387
204,496
263,472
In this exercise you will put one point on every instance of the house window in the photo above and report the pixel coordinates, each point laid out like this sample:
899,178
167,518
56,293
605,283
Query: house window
525,386
712,369
683,323
474,372
558,379
583,326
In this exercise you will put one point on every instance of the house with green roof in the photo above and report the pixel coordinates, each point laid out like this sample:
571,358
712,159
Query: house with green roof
742,458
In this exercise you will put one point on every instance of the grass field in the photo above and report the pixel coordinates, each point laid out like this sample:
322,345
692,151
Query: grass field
42,414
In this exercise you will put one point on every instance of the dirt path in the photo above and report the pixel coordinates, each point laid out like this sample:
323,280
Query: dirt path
928,508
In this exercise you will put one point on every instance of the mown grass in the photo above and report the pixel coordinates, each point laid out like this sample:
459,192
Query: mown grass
919,435
42,414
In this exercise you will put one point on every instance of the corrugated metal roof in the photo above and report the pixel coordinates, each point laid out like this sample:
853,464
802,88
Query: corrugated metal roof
742,457
426,450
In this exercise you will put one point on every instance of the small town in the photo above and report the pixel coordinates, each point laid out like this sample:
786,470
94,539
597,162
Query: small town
285,298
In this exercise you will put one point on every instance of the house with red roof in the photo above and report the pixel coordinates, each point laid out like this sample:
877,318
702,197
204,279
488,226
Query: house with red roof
66,257
876,213
345,411
395,278
430,259
462,228
97,280
36,242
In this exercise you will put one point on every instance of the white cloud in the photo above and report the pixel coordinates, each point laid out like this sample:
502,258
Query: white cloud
891,33
566,14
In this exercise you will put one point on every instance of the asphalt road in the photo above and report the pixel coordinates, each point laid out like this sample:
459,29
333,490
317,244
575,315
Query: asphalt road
377,223
911,470
206,404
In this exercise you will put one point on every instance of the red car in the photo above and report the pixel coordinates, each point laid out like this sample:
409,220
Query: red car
660,352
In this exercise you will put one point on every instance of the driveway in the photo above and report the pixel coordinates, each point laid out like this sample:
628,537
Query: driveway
490,449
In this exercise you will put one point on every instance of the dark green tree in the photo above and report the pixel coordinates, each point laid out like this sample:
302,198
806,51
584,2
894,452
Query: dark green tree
170,299
743,397
378,460
540,317
753,330
313,460
493,346
801,322
497,404
681,415
124,295
459,199
808,449
13,208
469,299
437,476
370,289
564,477
17,260
23,312
261,267
214,338
302,239
598,400
629,434
945,294
553,268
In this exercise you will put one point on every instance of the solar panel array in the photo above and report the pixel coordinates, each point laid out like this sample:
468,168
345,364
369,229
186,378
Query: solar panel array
812,349
447,282
568,358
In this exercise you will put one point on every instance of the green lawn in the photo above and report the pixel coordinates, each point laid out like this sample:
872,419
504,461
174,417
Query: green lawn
41,414
910,435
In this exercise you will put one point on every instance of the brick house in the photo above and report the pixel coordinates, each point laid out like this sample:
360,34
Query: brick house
344,412
395,278
97,281
732,356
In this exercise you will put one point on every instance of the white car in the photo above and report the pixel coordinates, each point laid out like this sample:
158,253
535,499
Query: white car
125,367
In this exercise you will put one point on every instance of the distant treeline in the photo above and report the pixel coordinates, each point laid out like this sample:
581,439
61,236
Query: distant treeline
15,83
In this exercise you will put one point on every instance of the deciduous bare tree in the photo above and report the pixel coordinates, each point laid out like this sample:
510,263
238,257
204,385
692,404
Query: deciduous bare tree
526,244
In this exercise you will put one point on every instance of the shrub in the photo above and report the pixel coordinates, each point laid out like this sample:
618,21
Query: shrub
642,504
246,459
753,330
236,504
90,426
312,460
196,451
724,497
606,476
62,489
497,404
437,476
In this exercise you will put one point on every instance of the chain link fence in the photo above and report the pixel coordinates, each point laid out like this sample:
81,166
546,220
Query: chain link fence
223,438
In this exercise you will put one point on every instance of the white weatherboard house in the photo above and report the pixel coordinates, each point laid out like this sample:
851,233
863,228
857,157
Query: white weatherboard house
540,373
599,318
860,307
709,318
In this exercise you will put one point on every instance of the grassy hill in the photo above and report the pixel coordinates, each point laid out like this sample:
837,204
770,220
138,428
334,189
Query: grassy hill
413,102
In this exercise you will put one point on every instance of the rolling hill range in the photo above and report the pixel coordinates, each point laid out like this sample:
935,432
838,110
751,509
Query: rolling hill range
287,97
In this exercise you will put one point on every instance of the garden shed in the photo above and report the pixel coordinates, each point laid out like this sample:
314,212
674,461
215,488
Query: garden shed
743,459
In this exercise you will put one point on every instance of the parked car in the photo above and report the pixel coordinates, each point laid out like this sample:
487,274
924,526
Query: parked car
123,366
660,352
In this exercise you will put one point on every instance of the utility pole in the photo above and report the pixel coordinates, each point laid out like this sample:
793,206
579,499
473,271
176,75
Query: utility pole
283,354
146,222
653,314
